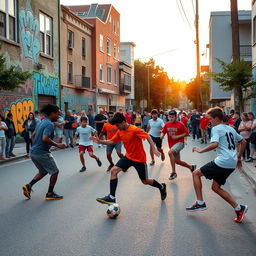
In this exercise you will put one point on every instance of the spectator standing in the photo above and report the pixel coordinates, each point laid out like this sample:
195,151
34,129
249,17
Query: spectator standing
184,119
252,137
10,135
204,128
128,117
146,118
37,117
68,129
100,119
232,118
29,127
91,118
195,122
138,120
237,121
59,128
3,128
82,114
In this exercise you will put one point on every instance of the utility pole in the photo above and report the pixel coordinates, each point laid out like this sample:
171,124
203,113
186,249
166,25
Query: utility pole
235,40
148,105
198,71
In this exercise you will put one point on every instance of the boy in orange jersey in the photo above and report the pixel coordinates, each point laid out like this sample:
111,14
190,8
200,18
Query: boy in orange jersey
135,156
110,130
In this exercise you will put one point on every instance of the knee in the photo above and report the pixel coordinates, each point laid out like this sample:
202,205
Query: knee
145,182
114,170
171,152
215,188
196,173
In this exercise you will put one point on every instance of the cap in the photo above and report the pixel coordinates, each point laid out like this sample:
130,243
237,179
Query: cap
172,113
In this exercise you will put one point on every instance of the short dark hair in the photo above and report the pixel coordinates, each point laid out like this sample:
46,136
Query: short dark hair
110,113
237,112
36,112
83,118
172,113
9,114
118,119
216,112
154,111
50,108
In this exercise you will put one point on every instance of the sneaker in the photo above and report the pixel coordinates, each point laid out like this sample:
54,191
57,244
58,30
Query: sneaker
83,169
53,196
99,162
106,200
26,191
163,192
152,163
12,155
110,166
196,207
71,145
173,176
162,157
240,214
250,159
193,167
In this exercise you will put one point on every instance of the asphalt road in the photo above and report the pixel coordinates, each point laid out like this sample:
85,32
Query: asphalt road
78,225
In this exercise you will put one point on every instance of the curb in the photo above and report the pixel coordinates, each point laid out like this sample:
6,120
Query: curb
247,173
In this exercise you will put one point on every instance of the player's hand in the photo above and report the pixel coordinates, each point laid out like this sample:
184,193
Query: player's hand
61,146
239,164
156,152
196,149
94,139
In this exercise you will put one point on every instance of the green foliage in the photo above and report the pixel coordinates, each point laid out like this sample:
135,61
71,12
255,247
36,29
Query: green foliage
10,78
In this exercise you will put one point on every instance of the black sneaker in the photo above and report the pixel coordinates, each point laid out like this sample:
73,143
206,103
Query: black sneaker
71,145
193,167
53,196
110,166
173,176
83,169
99,162
250,159
196,207
152,163
163,191
240,214
27,191
106,200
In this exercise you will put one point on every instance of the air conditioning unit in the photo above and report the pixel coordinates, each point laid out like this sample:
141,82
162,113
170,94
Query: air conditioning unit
70,44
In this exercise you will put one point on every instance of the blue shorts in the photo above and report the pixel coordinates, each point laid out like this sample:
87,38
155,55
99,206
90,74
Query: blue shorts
117,146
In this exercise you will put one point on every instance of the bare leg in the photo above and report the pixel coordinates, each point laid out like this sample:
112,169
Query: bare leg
82,158
172,159
197,174
109,157
92,155
119,153
152,155
182,163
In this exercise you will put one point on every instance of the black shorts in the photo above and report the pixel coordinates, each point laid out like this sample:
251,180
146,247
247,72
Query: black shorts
157,141
124,163
213,171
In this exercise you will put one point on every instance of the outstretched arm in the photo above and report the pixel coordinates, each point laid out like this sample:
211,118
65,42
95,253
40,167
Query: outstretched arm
104,142
212,146
152,146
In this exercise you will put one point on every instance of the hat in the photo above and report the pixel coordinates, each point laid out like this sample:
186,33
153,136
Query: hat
172,113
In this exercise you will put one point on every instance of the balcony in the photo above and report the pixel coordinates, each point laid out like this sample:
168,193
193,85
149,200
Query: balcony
125,89
82,82
245,51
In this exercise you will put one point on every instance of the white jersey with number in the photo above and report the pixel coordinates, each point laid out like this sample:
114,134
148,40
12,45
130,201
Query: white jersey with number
227,137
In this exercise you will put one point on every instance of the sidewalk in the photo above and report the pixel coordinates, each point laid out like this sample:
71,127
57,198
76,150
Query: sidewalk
249,170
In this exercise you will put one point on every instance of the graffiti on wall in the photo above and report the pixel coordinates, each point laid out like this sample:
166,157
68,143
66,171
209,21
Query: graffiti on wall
20,110
29,33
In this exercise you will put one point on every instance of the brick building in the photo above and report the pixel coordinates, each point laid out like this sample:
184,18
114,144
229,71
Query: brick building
29,35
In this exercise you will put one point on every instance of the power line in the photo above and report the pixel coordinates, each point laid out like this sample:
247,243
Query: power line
184,21
161,53
192,1
183,10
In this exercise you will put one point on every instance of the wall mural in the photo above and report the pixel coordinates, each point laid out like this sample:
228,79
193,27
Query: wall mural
29,33
20,110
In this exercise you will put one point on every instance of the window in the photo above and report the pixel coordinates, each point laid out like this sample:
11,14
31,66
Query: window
114,25
101,73
46,40
109,71
83,71
254,30
101,43
70,72
83,47
115,80
109,47
118,28
8,19
115,51
70,39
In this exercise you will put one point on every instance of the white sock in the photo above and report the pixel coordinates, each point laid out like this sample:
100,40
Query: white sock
238,208
200,202
112,197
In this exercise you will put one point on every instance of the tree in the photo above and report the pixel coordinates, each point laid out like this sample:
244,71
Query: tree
10,78
238,77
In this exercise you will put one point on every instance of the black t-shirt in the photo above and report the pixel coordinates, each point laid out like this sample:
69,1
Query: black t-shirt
194,120
70,120
99,117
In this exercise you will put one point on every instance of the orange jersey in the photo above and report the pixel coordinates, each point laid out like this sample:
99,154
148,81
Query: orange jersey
132,138
109,129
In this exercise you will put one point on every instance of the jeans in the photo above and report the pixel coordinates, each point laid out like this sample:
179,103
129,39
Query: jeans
246,153
69,134
10,142
28,144
195,131
2,145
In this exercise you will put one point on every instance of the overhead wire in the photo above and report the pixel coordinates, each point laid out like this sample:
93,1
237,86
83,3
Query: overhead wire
192,28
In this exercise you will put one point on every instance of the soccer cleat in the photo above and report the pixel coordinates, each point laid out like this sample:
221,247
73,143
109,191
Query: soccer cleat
110,166
99,162
26,191
196,207
193,167
106,200
173,176
152,163
163,192
83,169
162,157
240,214
53,196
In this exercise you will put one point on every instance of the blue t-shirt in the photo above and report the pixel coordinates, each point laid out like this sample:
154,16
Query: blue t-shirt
45,127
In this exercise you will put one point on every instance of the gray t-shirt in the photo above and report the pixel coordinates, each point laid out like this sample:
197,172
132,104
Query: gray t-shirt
45,127
84,134
156,127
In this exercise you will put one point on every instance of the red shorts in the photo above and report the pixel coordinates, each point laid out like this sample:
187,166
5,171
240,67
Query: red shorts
82,148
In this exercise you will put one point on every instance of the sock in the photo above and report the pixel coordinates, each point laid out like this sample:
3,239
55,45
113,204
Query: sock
113,185
238,208
200,202
50,190
32,182
112,197
157,184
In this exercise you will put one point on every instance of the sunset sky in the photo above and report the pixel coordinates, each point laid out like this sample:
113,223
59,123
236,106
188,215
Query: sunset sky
158,30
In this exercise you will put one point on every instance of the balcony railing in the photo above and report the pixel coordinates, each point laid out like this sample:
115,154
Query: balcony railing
82,82
125,89
245,51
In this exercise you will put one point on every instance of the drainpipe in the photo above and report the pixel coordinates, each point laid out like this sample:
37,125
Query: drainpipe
59,53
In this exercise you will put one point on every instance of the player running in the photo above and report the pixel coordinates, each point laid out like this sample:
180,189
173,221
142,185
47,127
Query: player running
176,132
132,137
40,152
224,139
110,130
84,132
154,128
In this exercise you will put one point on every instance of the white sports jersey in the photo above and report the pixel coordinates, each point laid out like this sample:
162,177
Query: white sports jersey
227,137
156,127
84,134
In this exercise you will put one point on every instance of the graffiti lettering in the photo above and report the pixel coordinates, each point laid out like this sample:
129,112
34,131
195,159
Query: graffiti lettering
29,33
20,110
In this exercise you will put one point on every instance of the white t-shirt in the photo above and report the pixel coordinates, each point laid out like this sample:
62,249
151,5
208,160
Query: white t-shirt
2,134
227,137
84,134
155,127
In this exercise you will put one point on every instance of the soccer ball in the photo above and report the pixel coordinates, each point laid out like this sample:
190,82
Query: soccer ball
113,211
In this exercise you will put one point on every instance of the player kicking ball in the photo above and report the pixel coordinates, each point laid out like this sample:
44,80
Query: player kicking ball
85,132
132,137
224,140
